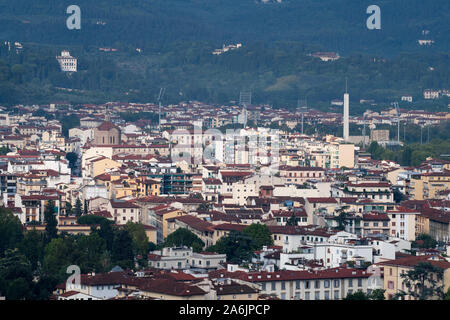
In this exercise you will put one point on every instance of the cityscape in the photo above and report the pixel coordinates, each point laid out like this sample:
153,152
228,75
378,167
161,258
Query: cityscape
297,196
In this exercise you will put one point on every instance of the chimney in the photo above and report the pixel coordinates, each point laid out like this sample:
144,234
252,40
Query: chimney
346,116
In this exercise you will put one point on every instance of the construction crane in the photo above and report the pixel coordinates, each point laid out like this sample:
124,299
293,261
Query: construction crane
160,96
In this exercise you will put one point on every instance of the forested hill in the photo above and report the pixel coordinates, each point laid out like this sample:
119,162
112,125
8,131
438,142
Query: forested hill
336,25
176,39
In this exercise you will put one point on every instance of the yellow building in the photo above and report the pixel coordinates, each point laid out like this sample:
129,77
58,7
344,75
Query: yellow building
428,185
148,187
393,269
100,165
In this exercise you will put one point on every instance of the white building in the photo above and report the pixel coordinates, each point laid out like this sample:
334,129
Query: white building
67,62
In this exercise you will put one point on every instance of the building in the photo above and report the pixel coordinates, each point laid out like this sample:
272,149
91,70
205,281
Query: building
379,135
185,258
107,134
330,284
393,269
66,62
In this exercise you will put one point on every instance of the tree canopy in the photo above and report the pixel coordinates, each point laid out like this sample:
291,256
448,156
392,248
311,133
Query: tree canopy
184,237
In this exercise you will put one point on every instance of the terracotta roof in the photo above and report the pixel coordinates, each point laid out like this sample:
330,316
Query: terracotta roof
106,126
411,261
376,217
195,223
123,204
230,227
321,200
334,273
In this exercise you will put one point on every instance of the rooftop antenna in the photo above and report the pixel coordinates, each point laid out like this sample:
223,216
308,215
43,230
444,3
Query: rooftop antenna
161,94
245,98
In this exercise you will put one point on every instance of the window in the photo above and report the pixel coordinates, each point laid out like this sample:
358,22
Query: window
317,284
273,286
297,284
359,282
317,295
336,295
283,285
326,283
327,295
307,296
350,283
336,283
390,284
307,285
263,286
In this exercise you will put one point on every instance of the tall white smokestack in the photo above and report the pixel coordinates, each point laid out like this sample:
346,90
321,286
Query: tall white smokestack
346,115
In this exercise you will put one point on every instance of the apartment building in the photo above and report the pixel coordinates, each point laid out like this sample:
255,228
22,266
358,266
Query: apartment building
393,269
331,284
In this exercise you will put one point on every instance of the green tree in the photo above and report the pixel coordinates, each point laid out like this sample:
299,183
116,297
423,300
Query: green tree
106,232
140,239
78,209
32,246
237,246
184,237
50,221
204,207
69,208
358,295
10,230
341,218
293,220
122,249
92,249
91,219
424,241
424,281
377,294
260,234
15,276
58,255
4,150
72,157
